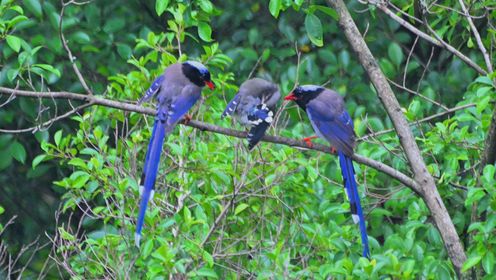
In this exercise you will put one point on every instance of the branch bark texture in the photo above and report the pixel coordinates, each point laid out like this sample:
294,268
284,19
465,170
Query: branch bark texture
426,183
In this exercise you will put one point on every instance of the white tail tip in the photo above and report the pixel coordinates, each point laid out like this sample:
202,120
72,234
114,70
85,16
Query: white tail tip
355,217
137,239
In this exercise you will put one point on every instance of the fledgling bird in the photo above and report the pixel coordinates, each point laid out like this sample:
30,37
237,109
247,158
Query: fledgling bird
331,122
253,106
176,91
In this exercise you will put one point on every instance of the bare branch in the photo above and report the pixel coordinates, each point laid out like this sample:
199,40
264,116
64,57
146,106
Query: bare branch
96,100
436,40
72,58
426,119
477,36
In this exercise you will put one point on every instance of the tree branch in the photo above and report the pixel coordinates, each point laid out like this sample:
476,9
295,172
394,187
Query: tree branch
477,36
426,119
427,187
91,100
436,40
72,58
489,154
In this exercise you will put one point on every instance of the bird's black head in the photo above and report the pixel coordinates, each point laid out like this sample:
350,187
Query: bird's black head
197,73
303,94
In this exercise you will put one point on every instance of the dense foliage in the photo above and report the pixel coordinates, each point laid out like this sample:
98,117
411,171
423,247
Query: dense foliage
221,211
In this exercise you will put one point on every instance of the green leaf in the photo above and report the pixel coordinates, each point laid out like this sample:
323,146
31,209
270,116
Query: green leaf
49,68
18,152
2,210
34,7
65,235
206,6
326,10
81,37
313,27
17,9
124,50
57,137
161,6
240,208
488,262
484,80
275,7
12,74
207,272
79,179
472,261
488,173
208,258
113,25
37,160
14,42
205,31
147,248
474,195
18,19
470,43
395,54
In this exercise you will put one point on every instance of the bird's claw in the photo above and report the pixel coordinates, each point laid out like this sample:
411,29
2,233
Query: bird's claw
187,118
333,150
308,141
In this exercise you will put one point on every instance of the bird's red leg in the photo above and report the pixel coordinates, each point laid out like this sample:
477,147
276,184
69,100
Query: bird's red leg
308,140
333,150
186,119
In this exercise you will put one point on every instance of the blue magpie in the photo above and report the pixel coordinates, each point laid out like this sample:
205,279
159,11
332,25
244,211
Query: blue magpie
176,91
253,106
331,122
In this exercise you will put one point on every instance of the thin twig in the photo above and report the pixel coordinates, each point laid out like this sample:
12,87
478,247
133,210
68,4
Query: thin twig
72,58
418,94
436,40
426,119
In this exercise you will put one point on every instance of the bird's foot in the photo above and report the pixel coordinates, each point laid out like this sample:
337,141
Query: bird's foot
187,118
308,140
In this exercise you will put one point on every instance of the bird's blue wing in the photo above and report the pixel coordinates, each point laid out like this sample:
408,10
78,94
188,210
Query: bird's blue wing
231,106
154,88
182,103
335,127
260,119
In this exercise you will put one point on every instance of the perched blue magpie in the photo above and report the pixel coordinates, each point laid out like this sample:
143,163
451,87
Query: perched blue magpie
176,91
253,106
325,109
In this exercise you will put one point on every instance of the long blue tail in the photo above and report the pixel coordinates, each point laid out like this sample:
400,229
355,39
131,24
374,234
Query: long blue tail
150,173
351,189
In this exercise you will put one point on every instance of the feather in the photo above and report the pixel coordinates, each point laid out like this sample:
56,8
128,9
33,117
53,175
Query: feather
150,174
231,106
260,119
351,189
154,88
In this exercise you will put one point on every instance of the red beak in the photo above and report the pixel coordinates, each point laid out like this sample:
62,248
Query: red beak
210,84
290,96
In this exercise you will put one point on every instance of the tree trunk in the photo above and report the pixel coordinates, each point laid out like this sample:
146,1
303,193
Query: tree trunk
426,186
